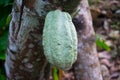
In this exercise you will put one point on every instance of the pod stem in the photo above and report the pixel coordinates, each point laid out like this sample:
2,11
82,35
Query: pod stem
55,73
75,13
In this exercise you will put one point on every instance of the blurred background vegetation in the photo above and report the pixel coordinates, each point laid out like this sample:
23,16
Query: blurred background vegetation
5,17
106,21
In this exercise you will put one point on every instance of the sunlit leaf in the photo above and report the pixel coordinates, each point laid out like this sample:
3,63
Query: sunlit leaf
101,43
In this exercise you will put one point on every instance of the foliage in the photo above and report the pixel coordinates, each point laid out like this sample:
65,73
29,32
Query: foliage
5,7
5,10
4,22
2,76
3,44
101,43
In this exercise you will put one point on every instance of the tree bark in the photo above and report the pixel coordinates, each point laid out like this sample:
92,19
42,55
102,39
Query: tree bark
25,59
87,66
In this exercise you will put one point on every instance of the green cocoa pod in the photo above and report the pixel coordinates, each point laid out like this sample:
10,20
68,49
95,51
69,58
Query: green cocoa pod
60,39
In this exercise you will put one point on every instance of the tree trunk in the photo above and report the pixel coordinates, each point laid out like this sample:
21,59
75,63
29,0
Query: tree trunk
87,66
25,59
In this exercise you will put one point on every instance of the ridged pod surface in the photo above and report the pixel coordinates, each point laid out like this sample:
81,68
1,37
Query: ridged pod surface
60,39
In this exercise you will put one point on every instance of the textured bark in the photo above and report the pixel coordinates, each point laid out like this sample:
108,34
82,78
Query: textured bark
25,59
87,66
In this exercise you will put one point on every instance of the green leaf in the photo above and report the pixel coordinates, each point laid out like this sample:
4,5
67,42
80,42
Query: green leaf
4,2
105,46
2,56
3,40
3,45
9,17
101,43
5,11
